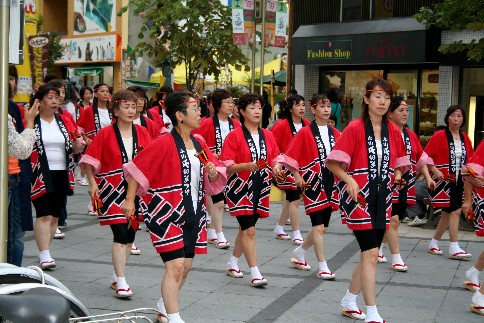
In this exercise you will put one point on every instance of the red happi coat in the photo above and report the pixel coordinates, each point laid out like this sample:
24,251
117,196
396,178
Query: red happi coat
156,114
414,152
352,153
104,155
437,153
304,149
41,182
240,189
476,162
151,126
284,132
88,124
207,131
158,170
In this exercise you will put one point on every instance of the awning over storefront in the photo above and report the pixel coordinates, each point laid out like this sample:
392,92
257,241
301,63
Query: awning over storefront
388,41
89,71
151,85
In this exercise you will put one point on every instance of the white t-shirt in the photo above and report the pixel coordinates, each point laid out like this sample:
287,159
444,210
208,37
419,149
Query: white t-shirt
255,137
128,146
458,156
195,176
71,108
54,144
298,126
224,129
379,153
167,120
104,118
323,132
137,121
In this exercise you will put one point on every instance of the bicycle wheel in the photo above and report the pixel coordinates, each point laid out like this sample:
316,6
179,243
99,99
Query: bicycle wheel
10,274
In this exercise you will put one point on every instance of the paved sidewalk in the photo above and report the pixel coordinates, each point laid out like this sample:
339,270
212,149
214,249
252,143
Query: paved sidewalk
431,291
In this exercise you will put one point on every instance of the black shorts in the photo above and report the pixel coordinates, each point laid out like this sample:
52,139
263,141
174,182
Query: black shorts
218,197
52,203
293,195
369,239
175,254
399,209
247,221
455,197
122,234
321,217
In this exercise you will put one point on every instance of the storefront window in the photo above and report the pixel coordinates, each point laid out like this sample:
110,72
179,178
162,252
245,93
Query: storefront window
345,90
428,105
405,84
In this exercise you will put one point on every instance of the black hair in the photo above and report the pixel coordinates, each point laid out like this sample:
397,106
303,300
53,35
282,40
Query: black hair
451,110
370,86
71,91
162,92
333,117
292,92
83,90
176,102
287,104
96,87
43,91
217,97
245,100
333,95
50,77
396,101
138,90
12,71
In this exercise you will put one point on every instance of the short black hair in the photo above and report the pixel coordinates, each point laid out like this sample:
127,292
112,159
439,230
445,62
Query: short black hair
246,99
451,110
217,96
176,102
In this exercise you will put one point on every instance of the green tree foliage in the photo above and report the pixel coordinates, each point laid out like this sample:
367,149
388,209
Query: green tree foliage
457,15
197,33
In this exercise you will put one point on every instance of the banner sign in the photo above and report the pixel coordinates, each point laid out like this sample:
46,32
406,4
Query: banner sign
276,24
94,16
39,57
243,21
102,48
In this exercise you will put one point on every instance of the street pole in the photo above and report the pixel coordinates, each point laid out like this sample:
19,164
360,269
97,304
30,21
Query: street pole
262,45
289,49
252,68
4,35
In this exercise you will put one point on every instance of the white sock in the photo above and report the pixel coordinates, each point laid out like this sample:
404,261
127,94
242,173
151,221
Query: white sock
175,318
233,262
323,266
299,253
454,247
372,314
349,301
434,243
221,237
478,298
297,234
279,229
254,272
44,255
396,259
212,234
121,283
380,251
473,275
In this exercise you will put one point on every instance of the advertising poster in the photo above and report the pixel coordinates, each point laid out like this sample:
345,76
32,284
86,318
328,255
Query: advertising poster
275,24
102,48
94,16
39,57
243,21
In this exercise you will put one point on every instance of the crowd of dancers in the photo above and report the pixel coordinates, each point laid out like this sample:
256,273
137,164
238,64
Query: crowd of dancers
166,166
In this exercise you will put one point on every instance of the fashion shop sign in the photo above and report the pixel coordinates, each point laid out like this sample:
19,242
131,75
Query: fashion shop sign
407,47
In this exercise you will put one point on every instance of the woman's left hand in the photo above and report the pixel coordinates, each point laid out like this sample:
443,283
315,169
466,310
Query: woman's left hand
211,169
